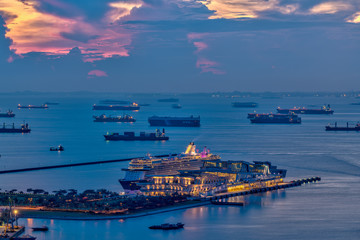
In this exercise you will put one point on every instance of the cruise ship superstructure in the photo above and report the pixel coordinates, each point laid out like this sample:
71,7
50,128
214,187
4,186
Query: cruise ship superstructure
141,169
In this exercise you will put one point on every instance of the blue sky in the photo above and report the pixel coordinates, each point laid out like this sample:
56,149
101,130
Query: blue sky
179,45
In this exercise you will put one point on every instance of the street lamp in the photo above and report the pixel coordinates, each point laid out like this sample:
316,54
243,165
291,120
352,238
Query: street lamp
16,212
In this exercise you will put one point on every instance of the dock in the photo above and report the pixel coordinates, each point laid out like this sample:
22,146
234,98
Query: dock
11,233
294,183
73,164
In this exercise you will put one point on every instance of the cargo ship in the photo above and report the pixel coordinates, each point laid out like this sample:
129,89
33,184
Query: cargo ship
347,128
8,114
323,110
104,118
244,104
42,106
24,128
132,107
275,118
130,136
140,169
175,121
168,100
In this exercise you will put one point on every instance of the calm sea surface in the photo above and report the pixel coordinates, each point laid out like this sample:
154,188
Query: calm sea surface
326,210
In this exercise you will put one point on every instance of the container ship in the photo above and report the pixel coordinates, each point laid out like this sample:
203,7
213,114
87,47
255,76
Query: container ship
104,118
274,118
132,107
347,128
42,106
244,104
140,169
8,114
24,128
130,136
175,121
323,110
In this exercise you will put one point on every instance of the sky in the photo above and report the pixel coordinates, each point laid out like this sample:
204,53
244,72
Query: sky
179,45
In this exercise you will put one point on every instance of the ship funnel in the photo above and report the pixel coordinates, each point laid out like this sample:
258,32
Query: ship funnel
189,148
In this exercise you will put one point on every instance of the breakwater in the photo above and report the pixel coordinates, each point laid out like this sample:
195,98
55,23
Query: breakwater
73,164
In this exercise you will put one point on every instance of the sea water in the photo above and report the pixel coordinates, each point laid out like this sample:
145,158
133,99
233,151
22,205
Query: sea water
329,209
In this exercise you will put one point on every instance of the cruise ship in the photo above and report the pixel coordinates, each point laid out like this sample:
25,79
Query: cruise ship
141,168
175,121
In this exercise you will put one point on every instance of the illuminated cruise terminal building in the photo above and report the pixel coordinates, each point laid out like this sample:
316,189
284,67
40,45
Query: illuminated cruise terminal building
215,177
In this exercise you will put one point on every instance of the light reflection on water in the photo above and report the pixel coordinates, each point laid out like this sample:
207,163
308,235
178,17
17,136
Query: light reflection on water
326,210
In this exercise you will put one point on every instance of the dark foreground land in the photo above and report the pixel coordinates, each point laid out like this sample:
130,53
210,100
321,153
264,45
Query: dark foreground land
100,202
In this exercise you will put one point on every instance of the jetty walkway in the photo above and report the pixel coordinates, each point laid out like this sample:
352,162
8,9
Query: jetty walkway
73,164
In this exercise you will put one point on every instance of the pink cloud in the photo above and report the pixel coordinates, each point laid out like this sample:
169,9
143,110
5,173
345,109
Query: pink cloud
200,46
33,30
207,65
97,73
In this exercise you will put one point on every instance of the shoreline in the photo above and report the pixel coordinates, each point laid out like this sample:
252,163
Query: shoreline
58,215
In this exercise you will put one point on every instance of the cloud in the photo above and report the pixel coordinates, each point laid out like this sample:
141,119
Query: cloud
355,18
207,66
97,73
202,62
231,9
330,7
33,30
121,9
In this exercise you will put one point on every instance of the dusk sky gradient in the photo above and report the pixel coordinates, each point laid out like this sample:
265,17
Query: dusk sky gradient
179,45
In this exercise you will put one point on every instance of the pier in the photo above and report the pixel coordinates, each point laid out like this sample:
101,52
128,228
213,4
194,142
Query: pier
11,233
293,183
73,164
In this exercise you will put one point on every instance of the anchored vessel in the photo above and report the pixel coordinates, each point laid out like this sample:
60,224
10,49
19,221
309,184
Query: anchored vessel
104,118
168,226
24,128
140,169
176,106
8,114
58,149
42,228
42,106
133,106
324,110
175,121
347,128
244,104
130,136
274,118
